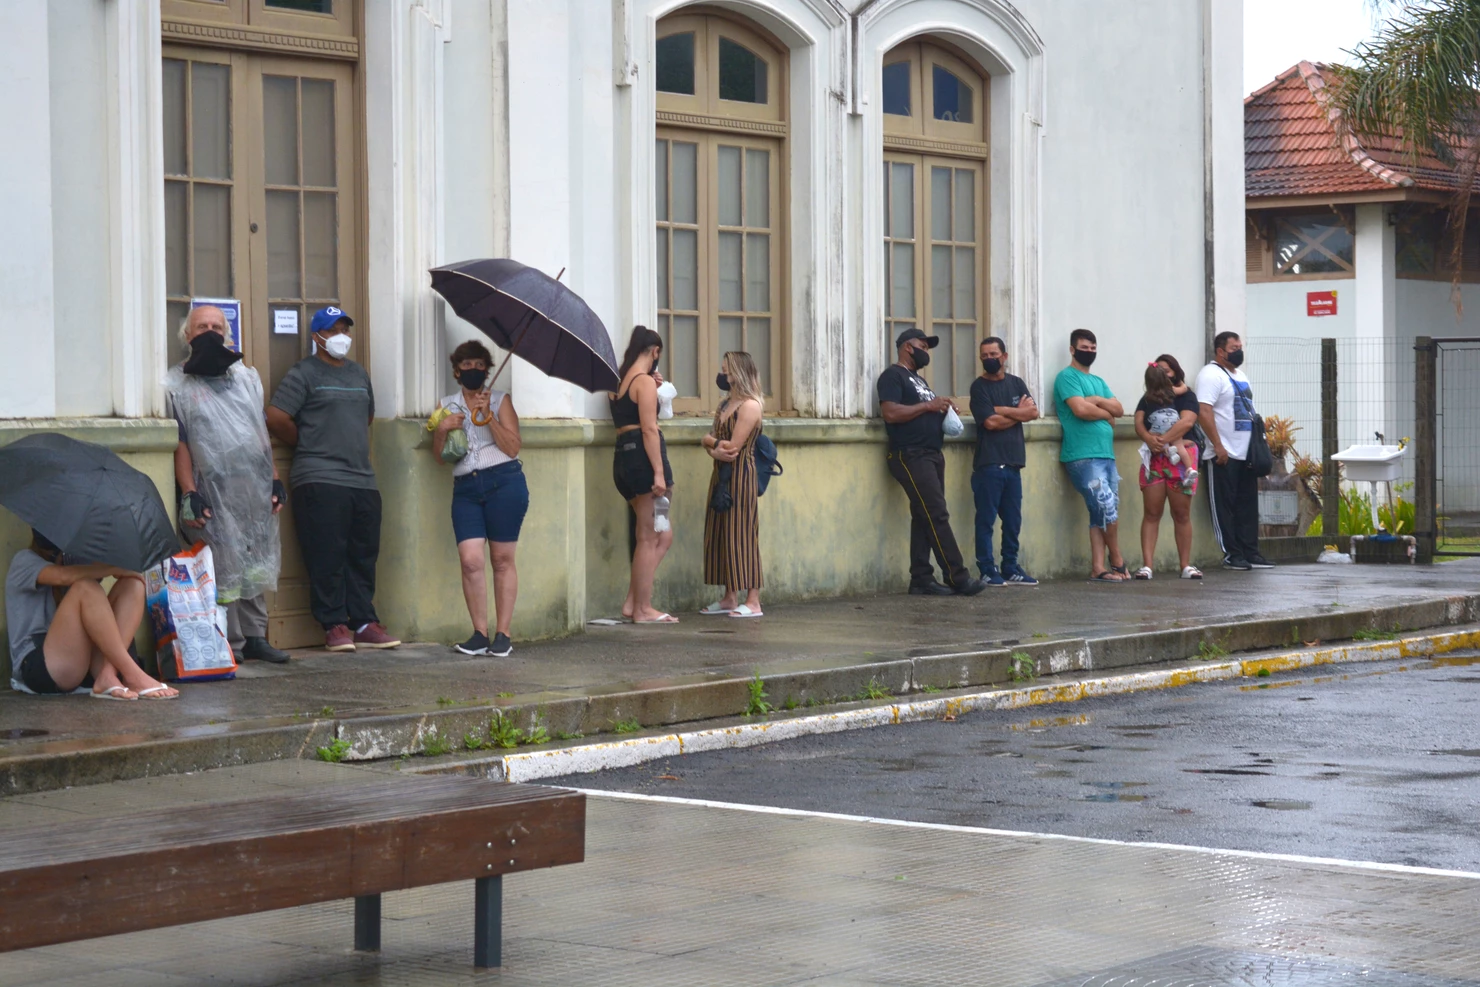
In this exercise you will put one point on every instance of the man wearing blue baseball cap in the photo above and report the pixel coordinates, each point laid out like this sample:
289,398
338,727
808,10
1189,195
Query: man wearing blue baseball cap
323,409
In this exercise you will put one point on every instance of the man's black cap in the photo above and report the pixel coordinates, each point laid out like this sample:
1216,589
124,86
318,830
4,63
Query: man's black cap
912,333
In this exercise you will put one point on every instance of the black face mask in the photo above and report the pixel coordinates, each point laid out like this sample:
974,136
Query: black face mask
922,358
722,381
991,366
209,356
1236,358
1085,357
472,379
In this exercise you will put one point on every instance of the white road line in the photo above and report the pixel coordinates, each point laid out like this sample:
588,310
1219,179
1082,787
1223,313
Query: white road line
1289,858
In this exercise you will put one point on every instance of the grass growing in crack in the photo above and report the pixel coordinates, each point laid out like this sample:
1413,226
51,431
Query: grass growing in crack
1023,668
629,725
503,732
1210,651
875,690
537,733
444,700
929,688
506,695
474,742
790,703
335,752
755,704
1374,634
326,711
563,735
1040,636
812,701
433,744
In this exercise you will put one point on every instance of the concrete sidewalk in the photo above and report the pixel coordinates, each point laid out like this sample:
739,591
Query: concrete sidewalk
387,704
675,893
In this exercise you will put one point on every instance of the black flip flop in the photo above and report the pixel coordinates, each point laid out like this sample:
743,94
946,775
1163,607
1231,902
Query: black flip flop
1108,576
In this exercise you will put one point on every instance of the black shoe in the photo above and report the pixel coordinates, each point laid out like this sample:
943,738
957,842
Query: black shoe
1260,562
475,645
931,588
257,649
1233,562
501,647
970,587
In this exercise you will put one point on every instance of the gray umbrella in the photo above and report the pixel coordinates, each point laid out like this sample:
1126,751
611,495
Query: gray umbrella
85,500
526,311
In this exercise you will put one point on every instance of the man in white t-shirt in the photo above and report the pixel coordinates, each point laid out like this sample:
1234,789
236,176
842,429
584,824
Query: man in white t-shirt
1227,417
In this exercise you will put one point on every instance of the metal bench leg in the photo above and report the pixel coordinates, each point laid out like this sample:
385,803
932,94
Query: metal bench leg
367,923
488,922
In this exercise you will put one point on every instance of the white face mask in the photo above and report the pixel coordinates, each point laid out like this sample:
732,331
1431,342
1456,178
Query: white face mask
338,345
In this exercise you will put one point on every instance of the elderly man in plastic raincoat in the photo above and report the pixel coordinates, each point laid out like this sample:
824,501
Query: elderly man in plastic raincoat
230,491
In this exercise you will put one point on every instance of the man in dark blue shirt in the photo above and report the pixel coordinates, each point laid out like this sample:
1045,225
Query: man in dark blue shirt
1000,403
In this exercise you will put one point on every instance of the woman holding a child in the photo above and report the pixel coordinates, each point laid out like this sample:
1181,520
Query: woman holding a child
1165,420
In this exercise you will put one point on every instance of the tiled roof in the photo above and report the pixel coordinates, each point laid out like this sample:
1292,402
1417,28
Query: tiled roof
1292,146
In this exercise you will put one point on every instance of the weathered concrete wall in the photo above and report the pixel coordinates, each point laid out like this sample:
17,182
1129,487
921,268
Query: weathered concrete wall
835,523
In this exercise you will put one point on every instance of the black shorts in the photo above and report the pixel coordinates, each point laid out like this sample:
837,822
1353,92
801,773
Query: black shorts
632,471
35,675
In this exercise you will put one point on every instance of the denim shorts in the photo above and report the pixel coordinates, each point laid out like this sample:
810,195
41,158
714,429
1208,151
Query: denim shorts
490,503
1099,484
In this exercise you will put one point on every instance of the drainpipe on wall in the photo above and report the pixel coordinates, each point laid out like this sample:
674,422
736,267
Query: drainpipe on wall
1210,297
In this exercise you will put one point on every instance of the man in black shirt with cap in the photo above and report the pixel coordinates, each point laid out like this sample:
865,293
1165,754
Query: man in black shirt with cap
914,419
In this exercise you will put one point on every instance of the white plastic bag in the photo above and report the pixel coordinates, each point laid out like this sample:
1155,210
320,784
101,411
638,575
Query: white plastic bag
953,424
1334,557
189,625
666,393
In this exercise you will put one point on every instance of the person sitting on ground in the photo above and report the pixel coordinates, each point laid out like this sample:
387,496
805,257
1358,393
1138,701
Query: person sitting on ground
66,633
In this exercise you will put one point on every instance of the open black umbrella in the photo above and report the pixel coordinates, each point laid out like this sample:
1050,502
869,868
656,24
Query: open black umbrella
526,311
85,500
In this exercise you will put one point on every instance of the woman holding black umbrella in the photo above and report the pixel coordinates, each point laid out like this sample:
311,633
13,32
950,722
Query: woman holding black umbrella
489,495
641,470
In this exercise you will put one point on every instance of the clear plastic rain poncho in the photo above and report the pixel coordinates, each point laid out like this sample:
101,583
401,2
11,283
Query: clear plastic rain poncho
228,442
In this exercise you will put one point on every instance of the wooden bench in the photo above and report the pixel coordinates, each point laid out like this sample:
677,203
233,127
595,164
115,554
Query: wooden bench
155,869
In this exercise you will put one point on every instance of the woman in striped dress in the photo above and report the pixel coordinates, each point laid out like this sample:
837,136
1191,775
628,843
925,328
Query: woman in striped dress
732,551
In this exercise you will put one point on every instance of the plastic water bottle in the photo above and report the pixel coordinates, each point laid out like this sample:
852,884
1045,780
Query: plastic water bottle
660,513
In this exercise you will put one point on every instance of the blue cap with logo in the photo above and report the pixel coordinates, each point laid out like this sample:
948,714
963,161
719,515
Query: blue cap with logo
325,318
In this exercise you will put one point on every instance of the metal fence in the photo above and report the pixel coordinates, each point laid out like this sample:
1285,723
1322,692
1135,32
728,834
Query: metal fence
1374,390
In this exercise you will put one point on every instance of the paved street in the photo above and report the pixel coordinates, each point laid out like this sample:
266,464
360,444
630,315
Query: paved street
685,895
1372,762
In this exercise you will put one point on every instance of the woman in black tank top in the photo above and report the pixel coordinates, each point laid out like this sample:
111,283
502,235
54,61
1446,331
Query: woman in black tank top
641,470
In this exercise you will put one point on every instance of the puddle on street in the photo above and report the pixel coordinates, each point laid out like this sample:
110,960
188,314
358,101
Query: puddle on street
1079,748
1114,797
1045,723
1053,773
1289,805
1453,661
1113,785
1459,752
1226,771
21,733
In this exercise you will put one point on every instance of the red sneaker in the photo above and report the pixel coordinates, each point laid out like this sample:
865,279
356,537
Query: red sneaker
338,638
372,635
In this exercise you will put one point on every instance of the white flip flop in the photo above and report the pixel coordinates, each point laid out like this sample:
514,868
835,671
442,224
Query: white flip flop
152,692
714,610
1192,572
743,610
109,694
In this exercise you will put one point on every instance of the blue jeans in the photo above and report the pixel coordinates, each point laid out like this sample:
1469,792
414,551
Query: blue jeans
490,503
1099,484
998,491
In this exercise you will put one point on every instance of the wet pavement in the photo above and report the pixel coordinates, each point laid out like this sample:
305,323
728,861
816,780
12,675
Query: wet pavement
1373,761
675,894
794,637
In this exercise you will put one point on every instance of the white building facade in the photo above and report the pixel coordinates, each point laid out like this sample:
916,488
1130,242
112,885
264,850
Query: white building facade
797,178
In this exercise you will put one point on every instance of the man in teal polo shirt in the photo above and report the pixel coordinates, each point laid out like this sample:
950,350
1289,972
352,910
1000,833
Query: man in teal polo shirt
1087,412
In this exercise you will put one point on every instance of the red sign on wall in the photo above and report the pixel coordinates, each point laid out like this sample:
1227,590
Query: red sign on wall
1320,303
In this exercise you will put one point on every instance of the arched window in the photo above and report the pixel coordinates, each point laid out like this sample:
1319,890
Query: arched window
721,115
935,206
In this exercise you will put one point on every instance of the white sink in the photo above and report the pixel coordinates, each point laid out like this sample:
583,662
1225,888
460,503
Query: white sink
1372,463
